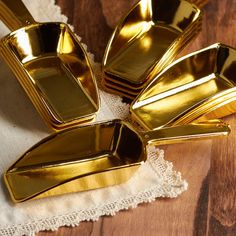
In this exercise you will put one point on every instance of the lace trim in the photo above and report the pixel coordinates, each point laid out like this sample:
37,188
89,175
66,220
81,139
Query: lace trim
171,183
164,170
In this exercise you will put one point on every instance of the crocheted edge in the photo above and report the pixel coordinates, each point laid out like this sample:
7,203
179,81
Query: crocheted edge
170,189
73,219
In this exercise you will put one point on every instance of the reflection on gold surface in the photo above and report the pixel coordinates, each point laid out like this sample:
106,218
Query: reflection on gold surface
23,42
145,41
194,86
146,9
59,88
92,156
135,29
51,66
134,61
65,43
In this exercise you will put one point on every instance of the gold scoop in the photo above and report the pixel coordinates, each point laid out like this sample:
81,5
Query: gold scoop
93,156
145,41
196,87
51,65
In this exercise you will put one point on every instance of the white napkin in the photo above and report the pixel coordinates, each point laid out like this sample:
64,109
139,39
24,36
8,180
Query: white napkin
21,127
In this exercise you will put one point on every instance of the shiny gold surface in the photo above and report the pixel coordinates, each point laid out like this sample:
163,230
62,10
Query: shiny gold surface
51,65
131,91
197,87
145,41
92,156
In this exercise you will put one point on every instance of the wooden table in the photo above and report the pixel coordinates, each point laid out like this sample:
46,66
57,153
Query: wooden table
209,205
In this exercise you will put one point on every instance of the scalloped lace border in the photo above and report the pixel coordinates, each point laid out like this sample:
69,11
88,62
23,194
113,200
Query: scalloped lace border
171,186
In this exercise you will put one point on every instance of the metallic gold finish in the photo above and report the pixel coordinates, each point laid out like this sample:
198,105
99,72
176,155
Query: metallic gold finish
51,65
127,90
195,28
147,39
196,87
92,156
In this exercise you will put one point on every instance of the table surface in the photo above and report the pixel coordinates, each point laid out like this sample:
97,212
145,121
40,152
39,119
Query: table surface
209,205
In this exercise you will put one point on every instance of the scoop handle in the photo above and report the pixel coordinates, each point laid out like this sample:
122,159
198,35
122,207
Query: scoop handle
14,14
204,130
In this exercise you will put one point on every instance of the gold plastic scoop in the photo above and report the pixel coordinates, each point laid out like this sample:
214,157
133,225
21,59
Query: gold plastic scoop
145,41
92,156
128,90
197,87
51,65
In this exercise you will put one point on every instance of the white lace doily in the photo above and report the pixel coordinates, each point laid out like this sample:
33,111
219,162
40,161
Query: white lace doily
21,127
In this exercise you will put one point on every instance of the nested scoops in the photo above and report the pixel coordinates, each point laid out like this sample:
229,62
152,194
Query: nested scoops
51,65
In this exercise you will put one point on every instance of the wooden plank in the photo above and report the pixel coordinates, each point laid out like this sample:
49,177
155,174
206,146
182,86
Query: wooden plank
208,207
222,194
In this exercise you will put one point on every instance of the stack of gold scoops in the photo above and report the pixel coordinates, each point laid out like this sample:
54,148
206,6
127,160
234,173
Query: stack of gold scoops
171,102
147,40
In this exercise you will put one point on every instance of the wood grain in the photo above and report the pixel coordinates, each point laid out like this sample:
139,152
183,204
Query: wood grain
222,194
209,205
